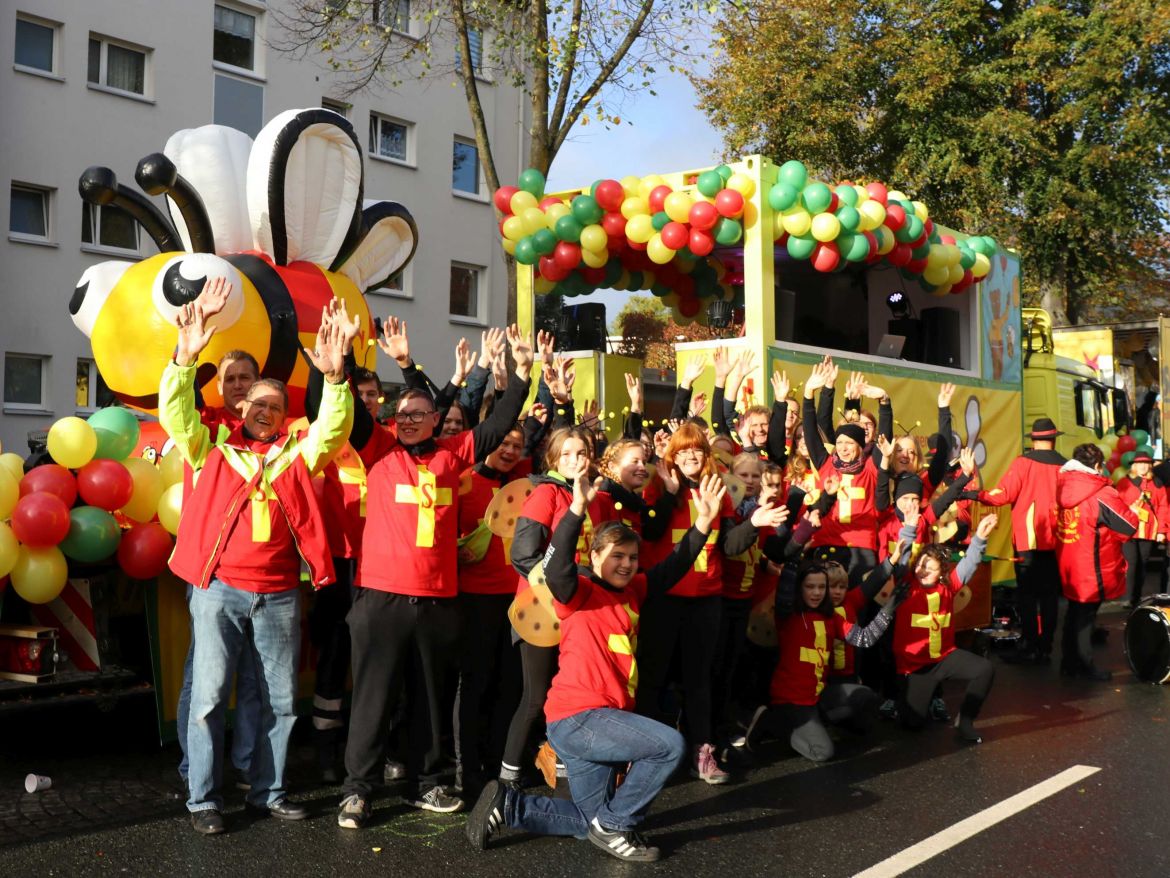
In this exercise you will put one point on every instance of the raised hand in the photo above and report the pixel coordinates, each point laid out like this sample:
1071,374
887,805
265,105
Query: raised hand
395,343
745,365
945,392
522,352
853,385
591,415
328,353
584,490
500,369
872,392
780,386
490,341
671,480
817,378
693,370
831,483
673,424
538,412
698,404
767,515
986,525
349,328
194,335
830,372
708,502
722,363
967,461
634,389
560,380
213,297
886,447
464,361
911,516
661,441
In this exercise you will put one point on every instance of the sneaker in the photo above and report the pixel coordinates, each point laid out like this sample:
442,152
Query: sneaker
354,812
487,817
207,822
744,741
393,771
965,731
624,844
938,711
706,768
436,799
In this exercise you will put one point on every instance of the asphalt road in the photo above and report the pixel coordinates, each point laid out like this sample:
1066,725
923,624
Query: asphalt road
115,807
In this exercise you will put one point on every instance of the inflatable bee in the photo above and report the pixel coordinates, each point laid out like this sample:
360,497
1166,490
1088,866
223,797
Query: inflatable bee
282,218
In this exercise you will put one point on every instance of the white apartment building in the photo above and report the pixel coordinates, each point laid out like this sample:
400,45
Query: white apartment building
106,82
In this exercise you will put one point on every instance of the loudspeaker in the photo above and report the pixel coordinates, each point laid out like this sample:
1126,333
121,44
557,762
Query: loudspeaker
940,337
909,328
589,325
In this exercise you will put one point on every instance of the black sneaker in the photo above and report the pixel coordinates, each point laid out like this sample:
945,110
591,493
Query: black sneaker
207,822
624,844
938,711
487,817
354,812
435,799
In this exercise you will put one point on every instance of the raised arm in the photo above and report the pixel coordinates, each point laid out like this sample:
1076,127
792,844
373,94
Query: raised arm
176,393
489,434
327,434
633,425
682,397
828,397
812,433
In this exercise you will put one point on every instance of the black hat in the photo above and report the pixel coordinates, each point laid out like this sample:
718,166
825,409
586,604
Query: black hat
1044,428
908,483
851,431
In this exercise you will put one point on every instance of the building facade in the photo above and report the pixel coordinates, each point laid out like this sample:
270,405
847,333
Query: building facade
106,82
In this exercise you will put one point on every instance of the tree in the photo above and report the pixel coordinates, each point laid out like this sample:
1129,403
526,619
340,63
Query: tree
1043,124
575,59
649,332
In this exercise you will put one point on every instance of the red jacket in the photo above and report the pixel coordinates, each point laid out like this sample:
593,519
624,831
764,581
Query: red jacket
853,520
1094,522
1147,498
1030,486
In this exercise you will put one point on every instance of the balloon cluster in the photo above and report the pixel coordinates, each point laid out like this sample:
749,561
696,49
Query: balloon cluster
94,502
833,226
1120,450
634,234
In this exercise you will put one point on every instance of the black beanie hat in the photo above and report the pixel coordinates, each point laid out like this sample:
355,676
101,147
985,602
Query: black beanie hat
908,483
852,431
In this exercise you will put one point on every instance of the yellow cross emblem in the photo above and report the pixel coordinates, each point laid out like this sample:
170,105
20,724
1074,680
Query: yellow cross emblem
426,495
934,620
839,645
627,644
846,494
817,655
676,535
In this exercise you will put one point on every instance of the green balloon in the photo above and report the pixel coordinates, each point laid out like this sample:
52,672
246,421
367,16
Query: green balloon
782,196
794,174
979,245
637,279
728,231
684,252
613,270
816,197
569,229
801,247
93,535
846,195
854,248
1127,458
966,256
660,220
526,251
911,231
1141,437
709,183
920,252
1143,448
724,173
117,432
848,216
586,209
532,181
660,290
544,242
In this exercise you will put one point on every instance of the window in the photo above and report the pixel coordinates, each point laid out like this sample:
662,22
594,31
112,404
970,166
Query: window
394,14
466,299
36,44
24,381
390,139
92,392
341,108
475,40
1088,408
465,168
239,104
117,67
395,285
235,38
28,215
108,227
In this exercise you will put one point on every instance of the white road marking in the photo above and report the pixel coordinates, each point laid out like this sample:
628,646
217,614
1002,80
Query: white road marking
919,853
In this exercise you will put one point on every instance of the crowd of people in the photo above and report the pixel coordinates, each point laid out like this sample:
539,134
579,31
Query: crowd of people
686,591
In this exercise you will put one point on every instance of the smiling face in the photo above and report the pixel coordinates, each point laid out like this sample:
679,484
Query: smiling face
906,459
615,564
754,428
928,571
574,455
264,411
233,380
847,449
632,472
869,425
508,454
690,462
453,423
812,589
416,419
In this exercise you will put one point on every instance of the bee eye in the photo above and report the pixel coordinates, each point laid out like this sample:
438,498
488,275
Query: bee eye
92,290
181,279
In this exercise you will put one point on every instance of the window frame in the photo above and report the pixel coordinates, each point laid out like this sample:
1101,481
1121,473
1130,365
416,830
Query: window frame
147,54
39,407
341,108
479,318
258,70
411,160
231,73
94,376
55,68
380,19
46,194
95,212
407,291
480,195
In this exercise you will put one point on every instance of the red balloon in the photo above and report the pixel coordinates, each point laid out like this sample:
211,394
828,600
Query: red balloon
920,241
834,202
105,484
877,192
946,239
689,307
50,478
144,550
928,227
675,235
614,224
635,245
550,270
1126,443
826,256
900,255
703,215
610,194
700,242
503,199
895,217
729,203
595,276
916,266
616,243
657,198
42,519
548,201
685,286
567,255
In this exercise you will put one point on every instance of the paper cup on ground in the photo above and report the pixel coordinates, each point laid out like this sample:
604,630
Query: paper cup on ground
37,783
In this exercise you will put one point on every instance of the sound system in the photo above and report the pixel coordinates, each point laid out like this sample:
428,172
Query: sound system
910,328
941,344
587,324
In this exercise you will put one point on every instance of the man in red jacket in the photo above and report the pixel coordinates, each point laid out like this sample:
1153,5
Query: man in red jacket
1146,495
1030,486
1094,523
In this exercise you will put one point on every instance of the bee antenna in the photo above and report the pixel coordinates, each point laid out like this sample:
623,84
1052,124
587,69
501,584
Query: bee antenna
99,186
157,175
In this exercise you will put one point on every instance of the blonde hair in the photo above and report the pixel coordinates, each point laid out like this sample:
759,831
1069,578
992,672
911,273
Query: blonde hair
742,458
613,455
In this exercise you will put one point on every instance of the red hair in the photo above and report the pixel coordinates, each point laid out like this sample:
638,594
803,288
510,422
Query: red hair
686,437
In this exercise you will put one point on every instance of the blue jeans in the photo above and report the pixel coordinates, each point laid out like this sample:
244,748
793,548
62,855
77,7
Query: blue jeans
227,622
593,745
247,720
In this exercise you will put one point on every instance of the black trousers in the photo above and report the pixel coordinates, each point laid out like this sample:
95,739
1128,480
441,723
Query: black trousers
1076,642
329,633
538,665
385,629
1137,557
489,683
1037,596
690,626
958,665
730,683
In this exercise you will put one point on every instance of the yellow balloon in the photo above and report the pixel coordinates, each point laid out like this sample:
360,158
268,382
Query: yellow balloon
648,184
937,256
936,275
594,238
554,212
862,194
920,210
148,488
72,442
534,220
750,215
825,227
9,549
896,195
886,240
595,260
953,254
543,285
678,206
514,228
777,226
981,267
509,246
634,206
630,185
944,290
39,574
640,228
658,252
954,274
9,494
873,214
170,506
171,468
743,184
521,201
797,221
14,463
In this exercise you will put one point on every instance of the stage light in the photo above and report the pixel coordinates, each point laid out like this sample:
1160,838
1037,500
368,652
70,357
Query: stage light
899,304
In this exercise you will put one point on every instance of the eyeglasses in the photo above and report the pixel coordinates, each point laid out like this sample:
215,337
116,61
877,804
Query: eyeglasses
412,417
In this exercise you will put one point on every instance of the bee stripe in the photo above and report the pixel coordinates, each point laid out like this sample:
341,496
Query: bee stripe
283,343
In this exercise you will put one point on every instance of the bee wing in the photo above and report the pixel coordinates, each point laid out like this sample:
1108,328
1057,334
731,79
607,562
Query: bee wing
214,160
386,243
305,186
